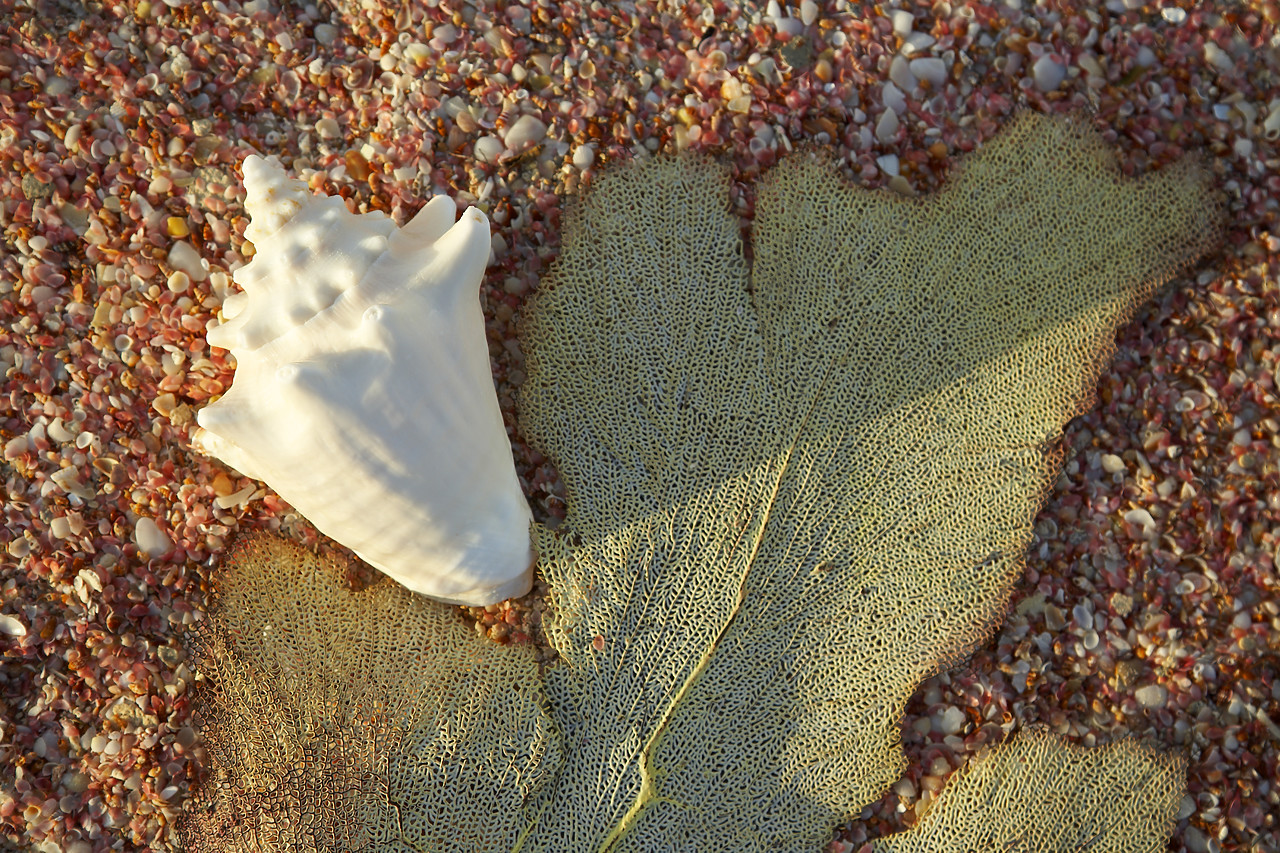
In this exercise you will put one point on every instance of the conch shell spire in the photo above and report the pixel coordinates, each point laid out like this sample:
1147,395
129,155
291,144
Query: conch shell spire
363,393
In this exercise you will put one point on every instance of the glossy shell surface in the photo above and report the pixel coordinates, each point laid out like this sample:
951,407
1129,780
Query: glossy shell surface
363,393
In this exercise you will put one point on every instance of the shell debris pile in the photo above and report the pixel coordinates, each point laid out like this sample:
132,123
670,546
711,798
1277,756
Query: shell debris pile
1150,605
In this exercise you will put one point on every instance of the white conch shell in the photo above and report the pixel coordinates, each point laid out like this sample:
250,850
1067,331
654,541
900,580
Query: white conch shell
363,393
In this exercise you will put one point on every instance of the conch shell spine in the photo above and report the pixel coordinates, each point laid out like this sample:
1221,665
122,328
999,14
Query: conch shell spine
363,393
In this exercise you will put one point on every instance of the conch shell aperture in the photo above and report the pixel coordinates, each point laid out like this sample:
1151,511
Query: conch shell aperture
363,393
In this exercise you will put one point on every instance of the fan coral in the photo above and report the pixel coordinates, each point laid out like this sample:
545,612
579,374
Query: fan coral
795,489
351,721
1090,792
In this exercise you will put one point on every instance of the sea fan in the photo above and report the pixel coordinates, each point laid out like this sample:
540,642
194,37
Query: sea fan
796,489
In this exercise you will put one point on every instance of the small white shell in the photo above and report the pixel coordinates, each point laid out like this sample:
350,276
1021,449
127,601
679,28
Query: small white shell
363,393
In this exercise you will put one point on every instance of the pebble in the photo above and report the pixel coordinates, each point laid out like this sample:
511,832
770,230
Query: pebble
901,74
418,53
887,126
150,539
1151,696
951,721
787,28
165,404
893,97
11,626
901,185
446,34
1186,808
903,21
487,149
1088,63
1111,463
527,130
1141,518
184,257
888,164
75,781
1217,57
74,218
584,156
466,122
930,69
1048,73
325,34
16,446
68,479
916,42
1271,125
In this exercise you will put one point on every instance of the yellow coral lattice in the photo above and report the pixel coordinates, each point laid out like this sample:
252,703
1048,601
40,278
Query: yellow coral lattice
1038,793
358,721
795,491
